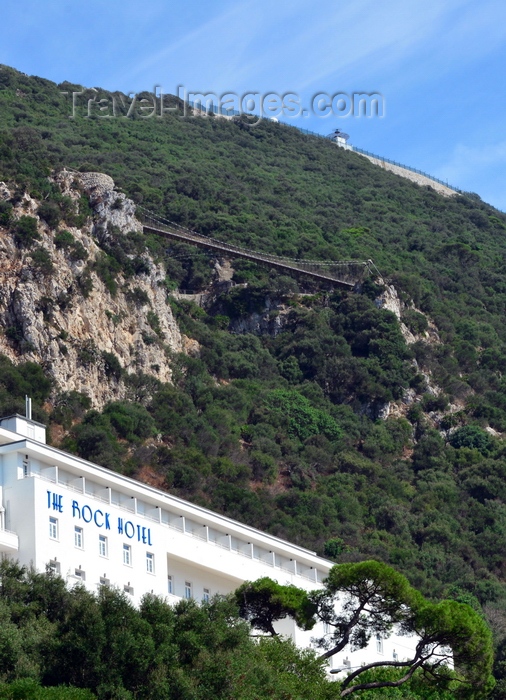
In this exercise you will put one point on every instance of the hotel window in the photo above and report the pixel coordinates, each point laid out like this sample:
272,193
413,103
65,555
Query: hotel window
78,537
102,545
104,581
79,573
127,555
187,590
206,595
150,563
53,528
379,644
170,584
128,589
26,467
54,566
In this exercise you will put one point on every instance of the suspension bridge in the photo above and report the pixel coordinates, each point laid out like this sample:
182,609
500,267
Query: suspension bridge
345,274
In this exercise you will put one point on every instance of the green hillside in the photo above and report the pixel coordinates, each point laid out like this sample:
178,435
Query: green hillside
281,430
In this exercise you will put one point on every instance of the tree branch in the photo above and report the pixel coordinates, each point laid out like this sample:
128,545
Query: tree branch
383,684
376,664
346,635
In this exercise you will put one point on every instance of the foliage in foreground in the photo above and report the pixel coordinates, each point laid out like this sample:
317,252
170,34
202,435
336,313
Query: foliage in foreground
52,636
362,601
61,644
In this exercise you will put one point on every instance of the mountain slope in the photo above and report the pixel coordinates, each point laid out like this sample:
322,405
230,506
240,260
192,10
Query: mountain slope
271,414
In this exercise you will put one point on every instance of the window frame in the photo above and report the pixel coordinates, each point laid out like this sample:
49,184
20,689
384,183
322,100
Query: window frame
78,536
127,554
102,540
53,527
150,562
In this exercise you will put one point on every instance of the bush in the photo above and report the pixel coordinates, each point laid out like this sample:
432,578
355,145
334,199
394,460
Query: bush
474,437
29,689
26,232
434,403
5,213
94,440
137,296
334,547
88,353
42,260
78,252
112,365
107,268
416,322
14,333
85,282
154,323
50,213
130,421
26,378
70,406
304,420
64,239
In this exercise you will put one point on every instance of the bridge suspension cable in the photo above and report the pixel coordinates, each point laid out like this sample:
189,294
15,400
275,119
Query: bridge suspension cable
342,273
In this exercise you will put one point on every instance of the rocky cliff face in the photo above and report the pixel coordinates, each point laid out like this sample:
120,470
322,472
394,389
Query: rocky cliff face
56,310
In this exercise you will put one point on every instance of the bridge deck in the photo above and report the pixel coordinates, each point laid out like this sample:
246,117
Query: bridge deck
309,269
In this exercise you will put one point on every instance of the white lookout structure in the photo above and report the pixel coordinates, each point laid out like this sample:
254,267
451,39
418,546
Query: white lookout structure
95,527
341,139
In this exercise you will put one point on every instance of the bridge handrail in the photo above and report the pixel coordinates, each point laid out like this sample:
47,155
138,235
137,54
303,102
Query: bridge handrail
199,237
313,270
260,256
301,265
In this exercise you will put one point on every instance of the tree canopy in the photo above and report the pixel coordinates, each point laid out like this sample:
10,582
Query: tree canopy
369,599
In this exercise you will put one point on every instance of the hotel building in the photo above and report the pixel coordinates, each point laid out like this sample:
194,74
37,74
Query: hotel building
96,527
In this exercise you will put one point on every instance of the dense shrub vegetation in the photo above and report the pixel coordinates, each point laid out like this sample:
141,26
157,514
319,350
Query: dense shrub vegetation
102,647
281,430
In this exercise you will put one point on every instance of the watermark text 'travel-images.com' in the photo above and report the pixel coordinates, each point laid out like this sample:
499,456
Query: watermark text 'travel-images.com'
255,105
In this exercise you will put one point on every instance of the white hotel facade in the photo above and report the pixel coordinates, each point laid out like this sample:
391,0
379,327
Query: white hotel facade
96,527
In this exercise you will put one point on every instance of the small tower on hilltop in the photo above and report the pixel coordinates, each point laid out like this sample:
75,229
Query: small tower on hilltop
340,138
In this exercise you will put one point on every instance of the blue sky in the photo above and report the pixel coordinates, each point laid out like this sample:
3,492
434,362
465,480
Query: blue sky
438,63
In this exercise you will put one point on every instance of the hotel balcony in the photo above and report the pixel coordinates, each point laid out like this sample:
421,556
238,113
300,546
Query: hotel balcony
9,541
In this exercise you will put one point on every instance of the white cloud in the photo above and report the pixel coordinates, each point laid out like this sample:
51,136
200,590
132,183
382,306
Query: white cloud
251,43
478,168
466,161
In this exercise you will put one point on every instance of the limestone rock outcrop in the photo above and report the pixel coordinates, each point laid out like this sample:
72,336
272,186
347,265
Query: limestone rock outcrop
57,311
